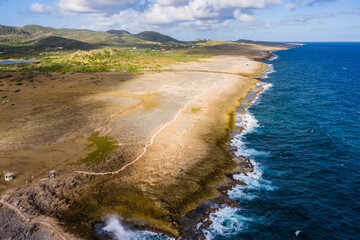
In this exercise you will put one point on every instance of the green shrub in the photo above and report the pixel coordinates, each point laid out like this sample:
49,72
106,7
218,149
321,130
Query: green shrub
104,146
5,76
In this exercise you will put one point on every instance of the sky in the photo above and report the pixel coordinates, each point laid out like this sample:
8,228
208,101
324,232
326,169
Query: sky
270,20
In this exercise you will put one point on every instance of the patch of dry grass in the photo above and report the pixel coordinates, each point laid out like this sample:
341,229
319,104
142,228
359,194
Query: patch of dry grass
195,110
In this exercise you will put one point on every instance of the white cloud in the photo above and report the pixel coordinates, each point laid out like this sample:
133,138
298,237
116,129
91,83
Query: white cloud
168,14
172,2
295,4
40,8
241,3
290,6
89,6
201,10
152,14
243,17
220,4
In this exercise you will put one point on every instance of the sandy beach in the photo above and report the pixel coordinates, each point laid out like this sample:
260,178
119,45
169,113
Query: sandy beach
171,129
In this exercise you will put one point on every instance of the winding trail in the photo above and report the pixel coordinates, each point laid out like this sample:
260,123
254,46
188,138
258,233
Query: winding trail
40,220
151,140
54,229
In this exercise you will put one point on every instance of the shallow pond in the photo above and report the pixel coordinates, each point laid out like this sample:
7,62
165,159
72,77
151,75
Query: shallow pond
21,61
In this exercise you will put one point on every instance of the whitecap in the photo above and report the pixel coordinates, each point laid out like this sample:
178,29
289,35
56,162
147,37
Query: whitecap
226,222
115,227
269,69
229,221
274,57
254,180
238,193
265,86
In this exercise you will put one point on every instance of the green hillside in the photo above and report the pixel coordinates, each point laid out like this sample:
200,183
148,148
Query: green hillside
264,43
32,39
6,30
155,37
16,38
118,32
61,43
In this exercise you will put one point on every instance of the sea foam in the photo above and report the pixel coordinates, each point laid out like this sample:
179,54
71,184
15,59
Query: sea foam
274,57
115,228
229,221
269,69
226,222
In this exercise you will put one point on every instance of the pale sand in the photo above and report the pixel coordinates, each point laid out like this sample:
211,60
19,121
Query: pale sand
147,104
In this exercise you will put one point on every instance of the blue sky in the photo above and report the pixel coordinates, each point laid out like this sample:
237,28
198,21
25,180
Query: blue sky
273,20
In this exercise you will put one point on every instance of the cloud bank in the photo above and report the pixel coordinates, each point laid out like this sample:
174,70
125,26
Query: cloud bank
152,14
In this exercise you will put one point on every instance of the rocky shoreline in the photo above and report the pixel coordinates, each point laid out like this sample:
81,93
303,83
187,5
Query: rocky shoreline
198,219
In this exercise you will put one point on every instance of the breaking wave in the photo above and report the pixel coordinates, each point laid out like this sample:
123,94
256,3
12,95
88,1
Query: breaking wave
116,230
229,221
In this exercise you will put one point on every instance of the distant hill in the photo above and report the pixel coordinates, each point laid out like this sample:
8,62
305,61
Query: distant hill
30,34
88,36
39,36
118,32
155,37
36,29
62,43
35,36
264,43
6,30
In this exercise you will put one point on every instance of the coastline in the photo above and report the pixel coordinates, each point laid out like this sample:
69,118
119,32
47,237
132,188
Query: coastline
245,166
219,178
197,220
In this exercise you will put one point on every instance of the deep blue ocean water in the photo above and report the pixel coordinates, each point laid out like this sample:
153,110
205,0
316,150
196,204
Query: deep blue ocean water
303,137
305,143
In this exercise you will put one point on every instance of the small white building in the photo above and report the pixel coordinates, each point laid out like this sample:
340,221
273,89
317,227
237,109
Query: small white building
52,174
9,176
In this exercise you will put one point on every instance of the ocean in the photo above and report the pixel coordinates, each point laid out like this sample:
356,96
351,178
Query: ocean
303,137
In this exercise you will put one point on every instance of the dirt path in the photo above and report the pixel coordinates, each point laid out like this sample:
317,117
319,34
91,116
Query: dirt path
39,220
151,140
